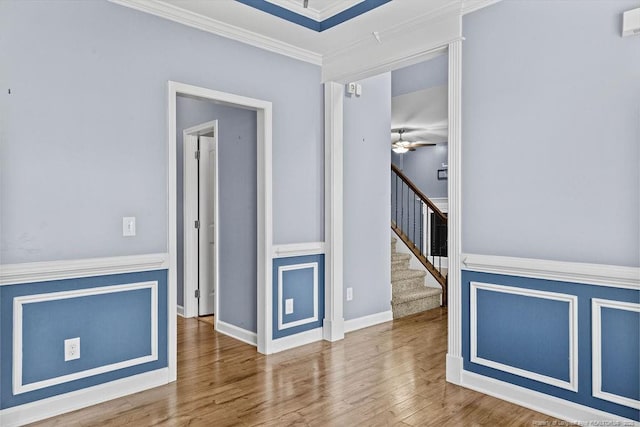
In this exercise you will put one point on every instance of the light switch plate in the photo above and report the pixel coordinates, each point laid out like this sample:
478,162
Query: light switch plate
349,294
288,306
129,226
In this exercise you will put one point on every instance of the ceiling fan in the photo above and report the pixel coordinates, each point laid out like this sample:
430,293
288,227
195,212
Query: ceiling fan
401,145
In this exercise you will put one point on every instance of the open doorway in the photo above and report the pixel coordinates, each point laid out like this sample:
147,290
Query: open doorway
244,302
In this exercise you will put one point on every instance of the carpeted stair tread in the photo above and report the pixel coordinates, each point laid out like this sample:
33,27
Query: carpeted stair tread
407,274
416,294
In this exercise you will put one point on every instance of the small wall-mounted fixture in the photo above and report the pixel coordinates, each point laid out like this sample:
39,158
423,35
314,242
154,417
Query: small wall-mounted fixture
354,89
443,174
631,22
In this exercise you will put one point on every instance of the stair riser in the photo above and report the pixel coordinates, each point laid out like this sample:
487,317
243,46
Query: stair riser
398,274
406,285
416,306
399,266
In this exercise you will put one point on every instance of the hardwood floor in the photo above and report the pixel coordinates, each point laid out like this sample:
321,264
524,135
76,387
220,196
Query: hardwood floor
390,374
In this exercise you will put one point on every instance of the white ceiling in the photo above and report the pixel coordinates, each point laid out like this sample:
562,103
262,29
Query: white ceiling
425,111
234,19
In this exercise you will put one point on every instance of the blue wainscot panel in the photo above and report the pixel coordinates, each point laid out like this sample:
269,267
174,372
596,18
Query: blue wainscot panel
300,280
537,334
616,344
121,321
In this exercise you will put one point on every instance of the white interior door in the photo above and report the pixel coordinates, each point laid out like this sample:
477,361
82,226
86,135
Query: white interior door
207,231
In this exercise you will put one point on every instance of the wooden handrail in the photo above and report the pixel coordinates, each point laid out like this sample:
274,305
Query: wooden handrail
419,193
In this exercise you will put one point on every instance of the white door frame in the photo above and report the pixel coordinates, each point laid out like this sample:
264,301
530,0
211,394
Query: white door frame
334,207
264,115
190,203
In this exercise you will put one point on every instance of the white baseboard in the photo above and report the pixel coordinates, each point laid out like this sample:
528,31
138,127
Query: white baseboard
297,340
454,369
550,405
56,405
180,311
366,321
237,332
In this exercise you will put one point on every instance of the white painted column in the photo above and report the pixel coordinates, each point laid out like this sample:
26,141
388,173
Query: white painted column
333,323
454,354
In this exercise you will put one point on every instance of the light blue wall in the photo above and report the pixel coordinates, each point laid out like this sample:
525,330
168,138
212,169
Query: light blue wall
367,198
550,139
84,139
423,75
421,167
237,160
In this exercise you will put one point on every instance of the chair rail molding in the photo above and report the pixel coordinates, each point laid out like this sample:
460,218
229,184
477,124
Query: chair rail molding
575,272
30,272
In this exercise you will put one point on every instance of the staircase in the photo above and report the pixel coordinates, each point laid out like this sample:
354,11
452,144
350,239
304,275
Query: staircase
422,228
409,293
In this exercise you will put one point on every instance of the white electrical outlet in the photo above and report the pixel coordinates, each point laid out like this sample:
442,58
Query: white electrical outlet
288,306
72,349
351,88
349,294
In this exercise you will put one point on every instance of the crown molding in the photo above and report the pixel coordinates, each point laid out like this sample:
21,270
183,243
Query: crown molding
473,5
195,20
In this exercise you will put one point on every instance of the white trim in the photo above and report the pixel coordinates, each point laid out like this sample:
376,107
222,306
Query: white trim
67,402
189,232
297,340
264,203
455,365
180,311
30,272
454,217
210,25
572,301
281,269
574,272
298,249
543,403
366,321
333,322
596,350
19,302
470,6
236,332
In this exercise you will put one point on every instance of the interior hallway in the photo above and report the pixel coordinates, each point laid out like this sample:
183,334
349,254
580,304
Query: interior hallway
390,374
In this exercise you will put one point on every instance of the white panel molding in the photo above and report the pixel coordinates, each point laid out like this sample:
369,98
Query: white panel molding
281,270
569,411
236,332
333,322
574,272
297,340
571,300
195,20
72,401
454,217
44,271
596,350
20,302
298,249
366,321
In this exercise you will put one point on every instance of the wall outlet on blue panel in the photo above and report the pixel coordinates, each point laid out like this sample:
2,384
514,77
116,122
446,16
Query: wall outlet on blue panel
288,306
72,349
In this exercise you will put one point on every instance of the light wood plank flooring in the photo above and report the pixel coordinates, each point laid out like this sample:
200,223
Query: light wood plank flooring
390,374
